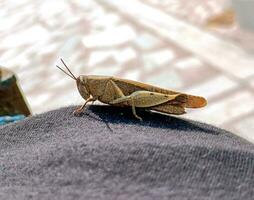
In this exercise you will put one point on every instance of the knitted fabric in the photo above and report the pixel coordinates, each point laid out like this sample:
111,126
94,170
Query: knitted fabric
106,153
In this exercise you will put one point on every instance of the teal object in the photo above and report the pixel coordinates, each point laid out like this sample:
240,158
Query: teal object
9,119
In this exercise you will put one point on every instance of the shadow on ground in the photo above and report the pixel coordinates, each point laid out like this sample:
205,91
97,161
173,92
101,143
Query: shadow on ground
113,115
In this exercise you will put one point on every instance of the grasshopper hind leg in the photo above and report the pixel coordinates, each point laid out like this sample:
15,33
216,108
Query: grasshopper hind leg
144,99
130,101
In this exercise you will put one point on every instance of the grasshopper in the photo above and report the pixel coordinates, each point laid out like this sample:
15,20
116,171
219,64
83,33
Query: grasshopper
127,93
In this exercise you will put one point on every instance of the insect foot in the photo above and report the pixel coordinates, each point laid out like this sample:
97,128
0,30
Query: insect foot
78,111
140,119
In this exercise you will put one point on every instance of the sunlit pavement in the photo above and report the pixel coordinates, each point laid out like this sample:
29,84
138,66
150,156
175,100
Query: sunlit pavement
158,42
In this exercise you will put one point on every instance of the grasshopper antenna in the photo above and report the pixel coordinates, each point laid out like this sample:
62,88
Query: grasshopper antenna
68,69
65,72
71,74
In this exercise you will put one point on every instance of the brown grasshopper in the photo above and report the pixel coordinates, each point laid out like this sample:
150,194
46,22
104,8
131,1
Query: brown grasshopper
122,92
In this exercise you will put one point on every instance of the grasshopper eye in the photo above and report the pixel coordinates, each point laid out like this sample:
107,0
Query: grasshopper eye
82,80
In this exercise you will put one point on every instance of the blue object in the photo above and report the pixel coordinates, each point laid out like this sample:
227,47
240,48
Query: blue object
8,119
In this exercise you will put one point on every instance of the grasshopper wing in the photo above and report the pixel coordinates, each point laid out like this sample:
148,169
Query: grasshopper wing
195,102
129,86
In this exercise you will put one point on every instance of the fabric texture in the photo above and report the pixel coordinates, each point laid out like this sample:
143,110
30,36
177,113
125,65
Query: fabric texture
105,153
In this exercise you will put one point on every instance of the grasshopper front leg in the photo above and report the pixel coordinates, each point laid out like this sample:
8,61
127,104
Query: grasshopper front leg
80,109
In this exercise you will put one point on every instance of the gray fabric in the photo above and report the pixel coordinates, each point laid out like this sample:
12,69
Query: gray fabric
107,154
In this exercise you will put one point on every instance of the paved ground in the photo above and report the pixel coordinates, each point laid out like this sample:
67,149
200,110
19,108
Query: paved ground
159,42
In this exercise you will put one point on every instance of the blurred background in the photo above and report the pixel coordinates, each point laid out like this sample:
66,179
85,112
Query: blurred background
200,47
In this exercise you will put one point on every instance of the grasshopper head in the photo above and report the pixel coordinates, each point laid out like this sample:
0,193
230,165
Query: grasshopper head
82,85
